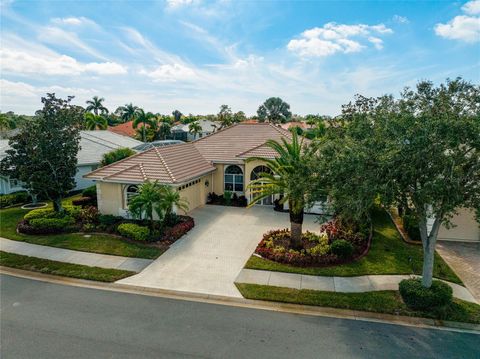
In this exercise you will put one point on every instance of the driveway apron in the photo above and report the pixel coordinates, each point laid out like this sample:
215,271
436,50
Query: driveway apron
209,258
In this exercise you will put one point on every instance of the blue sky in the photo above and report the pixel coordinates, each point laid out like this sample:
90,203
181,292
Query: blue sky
194,55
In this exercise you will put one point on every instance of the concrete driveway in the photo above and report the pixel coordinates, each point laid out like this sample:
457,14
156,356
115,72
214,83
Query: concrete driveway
209,258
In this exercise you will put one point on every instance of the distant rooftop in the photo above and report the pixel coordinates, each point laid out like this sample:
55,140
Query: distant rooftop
162,143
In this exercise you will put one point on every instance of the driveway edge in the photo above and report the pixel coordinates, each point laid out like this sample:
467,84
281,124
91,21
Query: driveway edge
248,303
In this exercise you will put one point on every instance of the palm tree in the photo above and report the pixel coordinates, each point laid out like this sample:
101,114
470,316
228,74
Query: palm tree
171,198
127,112
145,118
95,105
95,122
147,201
194,128
164,130
290,178
225,116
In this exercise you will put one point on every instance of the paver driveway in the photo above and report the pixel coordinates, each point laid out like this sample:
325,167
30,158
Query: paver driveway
209,258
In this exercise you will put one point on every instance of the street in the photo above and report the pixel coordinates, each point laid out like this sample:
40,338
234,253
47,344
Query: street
44,320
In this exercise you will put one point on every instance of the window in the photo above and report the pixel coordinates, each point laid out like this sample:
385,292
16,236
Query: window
233,179
130,192
15,183
257,171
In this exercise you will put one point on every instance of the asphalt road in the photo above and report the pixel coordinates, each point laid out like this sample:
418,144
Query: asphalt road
43,320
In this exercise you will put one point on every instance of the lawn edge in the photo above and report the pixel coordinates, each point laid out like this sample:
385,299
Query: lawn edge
249,303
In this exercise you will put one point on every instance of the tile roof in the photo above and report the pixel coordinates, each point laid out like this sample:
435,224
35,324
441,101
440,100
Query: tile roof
125,129
93,145
226,145
170,165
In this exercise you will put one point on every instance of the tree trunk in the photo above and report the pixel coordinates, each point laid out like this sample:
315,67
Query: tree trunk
57,205
429,241
296,222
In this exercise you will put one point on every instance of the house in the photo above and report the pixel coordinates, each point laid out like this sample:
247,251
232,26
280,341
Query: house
94,144
181,131
125,129
215,163
465,227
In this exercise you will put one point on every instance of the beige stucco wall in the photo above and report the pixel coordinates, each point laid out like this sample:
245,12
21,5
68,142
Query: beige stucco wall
110,198
217,179
466,229
196,194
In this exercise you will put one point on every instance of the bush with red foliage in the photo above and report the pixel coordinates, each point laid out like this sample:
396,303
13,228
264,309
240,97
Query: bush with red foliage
85,201
172,234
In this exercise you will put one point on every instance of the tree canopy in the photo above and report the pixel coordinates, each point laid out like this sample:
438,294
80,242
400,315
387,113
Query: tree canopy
116,155
274,110
44,157
420,151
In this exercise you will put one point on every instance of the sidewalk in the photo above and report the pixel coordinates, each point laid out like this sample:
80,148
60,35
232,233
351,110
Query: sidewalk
359,284
76,257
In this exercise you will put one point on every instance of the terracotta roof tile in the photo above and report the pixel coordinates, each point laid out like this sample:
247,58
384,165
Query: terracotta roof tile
125,129
170,165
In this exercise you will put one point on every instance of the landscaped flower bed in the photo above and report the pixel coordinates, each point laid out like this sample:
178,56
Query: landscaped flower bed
337,244
88,219
227,199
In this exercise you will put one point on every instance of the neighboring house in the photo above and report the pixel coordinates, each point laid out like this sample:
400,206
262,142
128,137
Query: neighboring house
181,131
94,144
215,163
125,129
160,143
465,227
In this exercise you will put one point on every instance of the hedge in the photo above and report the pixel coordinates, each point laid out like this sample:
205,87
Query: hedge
11,199
134,231
417,297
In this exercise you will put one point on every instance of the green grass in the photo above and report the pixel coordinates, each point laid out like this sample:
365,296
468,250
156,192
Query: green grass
104,243
389,302
62,269
389,254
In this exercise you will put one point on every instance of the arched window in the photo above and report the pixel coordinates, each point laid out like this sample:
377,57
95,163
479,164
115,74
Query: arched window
130,192
257,172
233,179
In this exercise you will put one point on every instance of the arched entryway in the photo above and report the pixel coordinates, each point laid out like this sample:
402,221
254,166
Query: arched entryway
256,174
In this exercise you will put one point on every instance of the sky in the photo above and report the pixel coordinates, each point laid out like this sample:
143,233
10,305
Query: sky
195,55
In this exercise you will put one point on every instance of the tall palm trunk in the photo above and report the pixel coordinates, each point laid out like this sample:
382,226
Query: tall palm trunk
296,223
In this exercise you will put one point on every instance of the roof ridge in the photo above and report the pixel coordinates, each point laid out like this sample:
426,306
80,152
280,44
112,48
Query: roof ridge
142,170
117,162
280,130
214,133
251,149
159,155
125,169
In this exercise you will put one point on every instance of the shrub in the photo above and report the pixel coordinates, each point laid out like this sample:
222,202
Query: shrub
108,219
134,231
88,227
71,211
85,201
170,219
242,201
90,192
319,249
410,224
227,196
418,297
116,155
342,248
89,215
213,197
11,199
52,225
178,230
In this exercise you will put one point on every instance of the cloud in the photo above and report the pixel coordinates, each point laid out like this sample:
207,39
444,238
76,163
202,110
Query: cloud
333,38
400,19
472,7
170,72
73,21
463,27
23,62
173,4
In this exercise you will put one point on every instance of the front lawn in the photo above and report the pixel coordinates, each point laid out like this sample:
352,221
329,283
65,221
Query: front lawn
389,254
62,269
389,302
101,243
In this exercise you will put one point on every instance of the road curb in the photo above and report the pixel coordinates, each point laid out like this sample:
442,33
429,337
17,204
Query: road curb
249,303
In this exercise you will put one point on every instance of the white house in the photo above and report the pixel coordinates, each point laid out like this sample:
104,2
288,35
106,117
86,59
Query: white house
181,131
94,144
